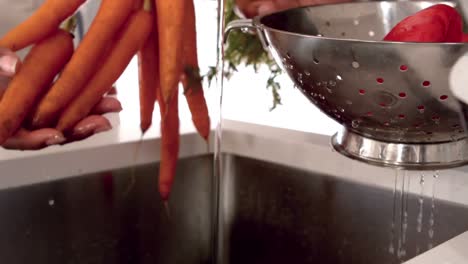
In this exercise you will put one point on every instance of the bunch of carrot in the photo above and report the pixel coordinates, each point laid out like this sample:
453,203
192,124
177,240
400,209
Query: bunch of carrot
57,86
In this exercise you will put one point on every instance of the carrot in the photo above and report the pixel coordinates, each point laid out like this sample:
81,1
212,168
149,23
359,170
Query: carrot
111,16
43,22
131,39
148,66
31,81
191,77
170,140
170,18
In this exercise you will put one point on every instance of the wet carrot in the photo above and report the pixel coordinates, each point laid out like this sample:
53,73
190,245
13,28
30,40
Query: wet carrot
132,37
191,77
43,22
170,18
31,81
170,141
85,62
148,66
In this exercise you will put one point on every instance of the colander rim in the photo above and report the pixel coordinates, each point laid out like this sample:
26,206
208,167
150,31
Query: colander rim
257,22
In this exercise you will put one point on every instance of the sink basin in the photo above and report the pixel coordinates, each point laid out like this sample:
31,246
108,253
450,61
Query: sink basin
269,213
278,214
285,197
105,218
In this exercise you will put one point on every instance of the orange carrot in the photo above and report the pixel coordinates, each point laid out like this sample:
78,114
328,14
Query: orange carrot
148,66
191,77
170,140
170,17
111,16
43,22
131,39
32,81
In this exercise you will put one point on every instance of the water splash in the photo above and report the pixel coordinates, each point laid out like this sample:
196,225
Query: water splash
419,219
401,253
391,248
432,214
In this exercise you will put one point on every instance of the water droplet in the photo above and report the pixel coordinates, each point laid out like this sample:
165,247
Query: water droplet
245,29
51,202
355,123
391,249
322,97
307,73
341,110
339,78
371,33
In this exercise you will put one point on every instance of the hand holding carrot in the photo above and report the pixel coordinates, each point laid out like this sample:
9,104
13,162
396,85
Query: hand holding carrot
25,139
61,92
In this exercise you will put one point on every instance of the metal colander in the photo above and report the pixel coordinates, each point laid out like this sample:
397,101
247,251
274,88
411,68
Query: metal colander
392,98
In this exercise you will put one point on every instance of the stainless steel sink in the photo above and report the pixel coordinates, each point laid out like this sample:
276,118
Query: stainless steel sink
277,214
105,218
269,213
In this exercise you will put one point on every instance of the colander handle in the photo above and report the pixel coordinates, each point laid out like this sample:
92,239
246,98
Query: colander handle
245,25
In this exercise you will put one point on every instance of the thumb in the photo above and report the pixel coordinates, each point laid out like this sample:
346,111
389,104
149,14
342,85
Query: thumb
9,63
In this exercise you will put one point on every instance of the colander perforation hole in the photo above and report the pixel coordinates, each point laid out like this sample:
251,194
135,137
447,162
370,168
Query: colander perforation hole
402,95
327,23
443,97
380,80
461,131
316,61
401,116
455,126
356,22
369,114
343,34
362,91
355,64
371,33
426,83
421,108
403,68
